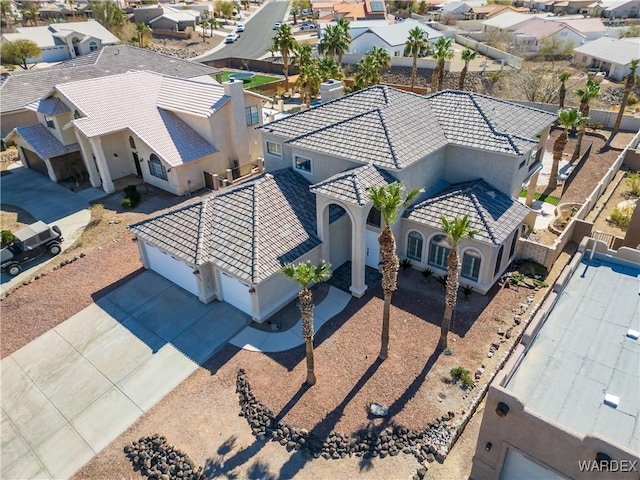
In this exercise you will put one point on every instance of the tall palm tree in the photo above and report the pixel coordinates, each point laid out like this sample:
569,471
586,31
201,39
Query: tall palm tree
467,55
327,44
141,29
456,230
302,54
381,58
628,86
285,44
328,69
306,274
567,118
370,67
563,77
442,51
308,82
214,23
590,91
417,45
389,199
335,41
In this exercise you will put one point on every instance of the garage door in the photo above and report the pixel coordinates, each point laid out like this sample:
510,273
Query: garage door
236,293
518,467
175,270
34,161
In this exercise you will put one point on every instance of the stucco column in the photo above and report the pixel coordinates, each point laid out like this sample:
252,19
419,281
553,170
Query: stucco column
85,148
204,275
533,183
322,222
358,253
144,258
103,168
50,171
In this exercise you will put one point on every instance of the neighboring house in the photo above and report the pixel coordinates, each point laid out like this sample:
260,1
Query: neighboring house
610,55
591,28
167,17
485,12
533,34
62,41
470,153
452,10
565,405
506,22
365,10
171,133
615,9
21,87
390,37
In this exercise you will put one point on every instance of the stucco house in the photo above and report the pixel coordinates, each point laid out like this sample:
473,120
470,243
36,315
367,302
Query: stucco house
613,9
172,133
62,41
610,55
534,33
167,17
471,154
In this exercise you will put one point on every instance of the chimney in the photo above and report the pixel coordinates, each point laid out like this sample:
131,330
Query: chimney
330,90
237,121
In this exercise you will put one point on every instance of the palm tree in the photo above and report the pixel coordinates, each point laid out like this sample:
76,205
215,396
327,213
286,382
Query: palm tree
381,58
335,41
214,23
467,55
5,8
586,94
306,274
442,51
567,118
628,86
456,230
285,44
417,45
327,44
370,67
328,69
141,29
563,77
389,200
302,54
308,82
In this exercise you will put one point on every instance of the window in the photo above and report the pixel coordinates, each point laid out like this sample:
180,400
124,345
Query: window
252,115
274,149
156,168
471,265
514,242
439,250
414,246
132,143
498,261
374,218
93,46
49,121
303,163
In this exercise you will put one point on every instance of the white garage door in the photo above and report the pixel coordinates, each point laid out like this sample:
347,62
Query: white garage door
175,270
236,293
518,467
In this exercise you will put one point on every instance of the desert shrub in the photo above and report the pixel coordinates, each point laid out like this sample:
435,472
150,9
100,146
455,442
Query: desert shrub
633,181
427,272
621,216
632,99
461,374
467,290
442,279
7,238
405,263
132,197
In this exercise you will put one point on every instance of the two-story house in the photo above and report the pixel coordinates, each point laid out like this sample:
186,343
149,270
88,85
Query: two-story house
167,130
471,154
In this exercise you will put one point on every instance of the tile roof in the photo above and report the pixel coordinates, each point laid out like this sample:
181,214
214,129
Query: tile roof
41,141
49,106
351,185
395,129
116,103
21,88
507,20
396,34
614,50
494,214
48,36
249,230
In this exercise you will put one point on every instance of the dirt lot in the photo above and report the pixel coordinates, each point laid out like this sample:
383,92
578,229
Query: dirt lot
621,193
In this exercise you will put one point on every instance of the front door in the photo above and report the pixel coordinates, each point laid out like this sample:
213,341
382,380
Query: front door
136,160
373,250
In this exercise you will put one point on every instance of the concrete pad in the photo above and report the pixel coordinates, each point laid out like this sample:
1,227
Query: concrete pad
279,342
14,447
13,380
45,355
138,291
90,194
64,452
75,387
249,339
33,415
85,327
165,370
106,418
28,467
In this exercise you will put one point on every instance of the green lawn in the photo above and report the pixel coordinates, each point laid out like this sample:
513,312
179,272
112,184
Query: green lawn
543,198
254,82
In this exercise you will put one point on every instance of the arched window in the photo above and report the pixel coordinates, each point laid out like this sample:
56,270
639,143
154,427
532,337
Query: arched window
471,265
498,261
374,218
93,46
439,250
132,143
156,168
514,242
414,246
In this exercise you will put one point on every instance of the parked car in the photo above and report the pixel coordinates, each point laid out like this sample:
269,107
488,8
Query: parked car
276,25
306,11
30,242
307,26
240,28
232,37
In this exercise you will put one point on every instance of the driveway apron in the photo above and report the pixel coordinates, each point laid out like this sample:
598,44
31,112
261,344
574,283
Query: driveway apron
70,392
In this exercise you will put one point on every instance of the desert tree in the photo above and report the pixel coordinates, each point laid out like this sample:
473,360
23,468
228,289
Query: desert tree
19,51
630,82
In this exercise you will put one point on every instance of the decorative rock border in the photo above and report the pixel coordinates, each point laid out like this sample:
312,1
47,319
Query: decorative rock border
155,459
558,231
426,445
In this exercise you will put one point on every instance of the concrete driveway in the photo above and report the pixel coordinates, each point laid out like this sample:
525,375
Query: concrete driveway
70,392
45,201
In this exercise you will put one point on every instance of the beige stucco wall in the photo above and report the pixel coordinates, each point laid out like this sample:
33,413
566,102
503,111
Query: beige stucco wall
423,174
340,232
322,165
19,118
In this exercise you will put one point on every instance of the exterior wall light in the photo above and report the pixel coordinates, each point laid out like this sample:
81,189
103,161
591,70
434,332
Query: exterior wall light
487,446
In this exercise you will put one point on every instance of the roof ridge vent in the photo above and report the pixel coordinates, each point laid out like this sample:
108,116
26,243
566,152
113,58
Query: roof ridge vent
611,400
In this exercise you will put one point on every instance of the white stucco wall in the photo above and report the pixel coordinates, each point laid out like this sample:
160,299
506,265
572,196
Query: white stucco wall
340,233
424,173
